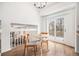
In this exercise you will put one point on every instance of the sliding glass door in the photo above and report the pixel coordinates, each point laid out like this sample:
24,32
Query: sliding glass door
56,27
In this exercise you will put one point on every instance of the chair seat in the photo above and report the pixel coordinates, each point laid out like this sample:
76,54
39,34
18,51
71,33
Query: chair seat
45,39
34,42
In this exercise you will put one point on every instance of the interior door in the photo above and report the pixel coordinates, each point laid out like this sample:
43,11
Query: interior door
69,28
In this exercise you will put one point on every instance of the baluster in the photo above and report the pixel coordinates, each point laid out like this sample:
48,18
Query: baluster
13,41
10,40
17,41
21,40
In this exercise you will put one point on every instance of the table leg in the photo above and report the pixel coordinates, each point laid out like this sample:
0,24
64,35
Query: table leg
24,50
47,45
41,48
35,50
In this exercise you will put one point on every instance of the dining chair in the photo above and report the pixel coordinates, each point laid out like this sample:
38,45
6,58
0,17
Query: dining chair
28,43
44,37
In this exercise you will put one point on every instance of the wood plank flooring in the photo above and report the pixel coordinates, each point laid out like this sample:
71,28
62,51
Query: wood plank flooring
54,49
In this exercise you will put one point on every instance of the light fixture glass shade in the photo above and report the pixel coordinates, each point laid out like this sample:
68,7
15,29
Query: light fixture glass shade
40,4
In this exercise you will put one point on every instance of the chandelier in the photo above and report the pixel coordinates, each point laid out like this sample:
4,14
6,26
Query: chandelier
40,4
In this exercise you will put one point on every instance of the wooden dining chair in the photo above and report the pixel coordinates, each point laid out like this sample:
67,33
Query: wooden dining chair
27,44
44,36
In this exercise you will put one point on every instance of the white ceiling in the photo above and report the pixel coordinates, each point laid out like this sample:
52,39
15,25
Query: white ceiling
51,3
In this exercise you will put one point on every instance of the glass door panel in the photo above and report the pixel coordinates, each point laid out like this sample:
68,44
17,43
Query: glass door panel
51,28
60,27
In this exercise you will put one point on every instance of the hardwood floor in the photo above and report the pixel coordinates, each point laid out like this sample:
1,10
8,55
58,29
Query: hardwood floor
54,49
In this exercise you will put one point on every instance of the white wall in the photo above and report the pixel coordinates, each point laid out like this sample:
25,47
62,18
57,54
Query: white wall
21,12
77,28
18,12
43,24
78,16
0,20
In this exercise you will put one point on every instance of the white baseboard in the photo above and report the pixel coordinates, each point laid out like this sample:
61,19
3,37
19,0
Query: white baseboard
2,51
62,42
